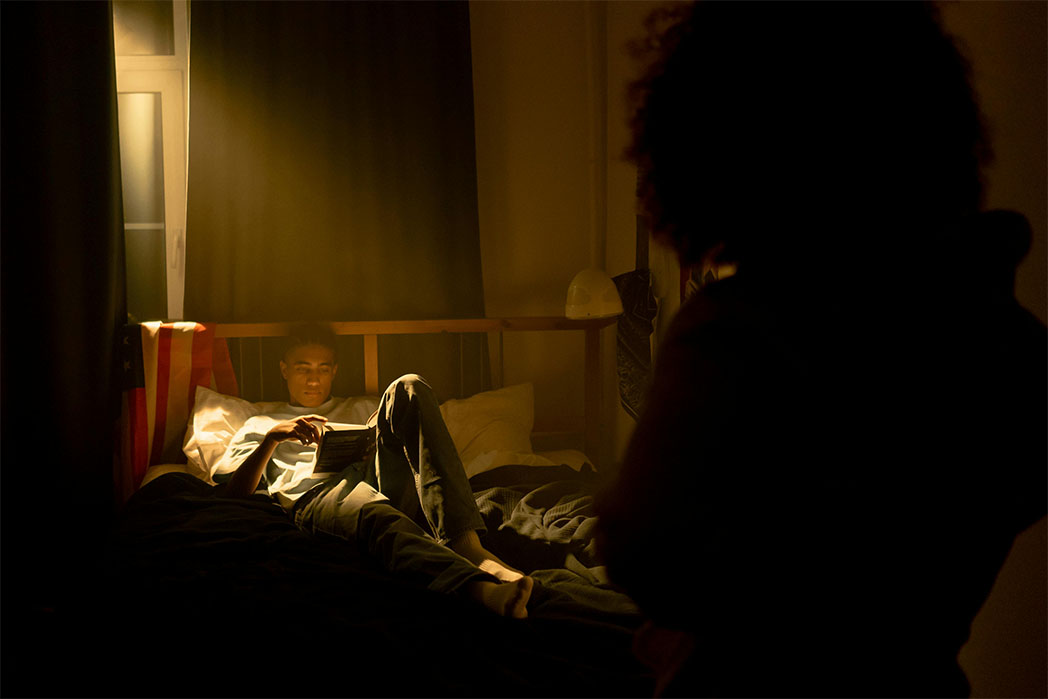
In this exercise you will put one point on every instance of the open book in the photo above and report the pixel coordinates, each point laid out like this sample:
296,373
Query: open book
343,444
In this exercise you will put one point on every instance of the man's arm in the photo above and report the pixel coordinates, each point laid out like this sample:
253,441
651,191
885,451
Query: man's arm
245,479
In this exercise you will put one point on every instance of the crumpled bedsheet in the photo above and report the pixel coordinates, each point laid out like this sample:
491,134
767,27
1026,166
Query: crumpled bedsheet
542,520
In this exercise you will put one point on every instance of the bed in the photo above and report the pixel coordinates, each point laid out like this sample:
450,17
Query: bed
224,597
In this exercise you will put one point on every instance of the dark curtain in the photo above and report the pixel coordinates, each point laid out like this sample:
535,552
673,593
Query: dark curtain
63,303
332,170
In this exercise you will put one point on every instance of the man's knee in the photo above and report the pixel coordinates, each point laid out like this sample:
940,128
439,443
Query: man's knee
412,384
409,388
405,399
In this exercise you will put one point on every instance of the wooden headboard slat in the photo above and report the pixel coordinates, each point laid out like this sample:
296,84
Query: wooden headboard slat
416,327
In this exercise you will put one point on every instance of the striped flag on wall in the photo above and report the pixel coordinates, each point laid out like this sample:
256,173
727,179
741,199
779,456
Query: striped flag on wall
163,363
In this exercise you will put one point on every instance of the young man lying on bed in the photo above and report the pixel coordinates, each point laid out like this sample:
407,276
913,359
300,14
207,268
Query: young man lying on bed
410,507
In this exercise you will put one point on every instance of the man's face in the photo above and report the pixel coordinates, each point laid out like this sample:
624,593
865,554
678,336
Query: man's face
309,371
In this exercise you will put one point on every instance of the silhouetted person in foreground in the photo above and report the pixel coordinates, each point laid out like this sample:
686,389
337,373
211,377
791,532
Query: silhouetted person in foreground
843,439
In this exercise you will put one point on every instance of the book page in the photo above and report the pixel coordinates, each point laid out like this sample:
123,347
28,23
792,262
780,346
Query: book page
343,445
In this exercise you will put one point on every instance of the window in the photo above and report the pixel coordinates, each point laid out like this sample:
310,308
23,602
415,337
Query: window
152,79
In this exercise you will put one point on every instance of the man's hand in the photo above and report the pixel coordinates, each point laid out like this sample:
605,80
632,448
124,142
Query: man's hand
305,429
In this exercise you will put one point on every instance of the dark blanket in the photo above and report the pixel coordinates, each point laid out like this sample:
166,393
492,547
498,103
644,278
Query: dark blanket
206,595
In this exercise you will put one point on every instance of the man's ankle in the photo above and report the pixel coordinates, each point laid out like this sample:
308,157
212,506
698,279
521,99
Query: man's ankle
466,541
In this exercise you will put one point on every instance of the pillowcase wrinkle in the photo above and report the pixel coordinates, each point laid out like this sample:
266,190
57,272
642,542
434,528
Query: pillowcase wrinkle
215,419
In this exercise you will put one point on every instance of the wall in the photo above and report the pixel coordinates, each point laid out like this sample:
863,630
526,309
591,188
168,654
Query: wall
539,191
555,195
1008,48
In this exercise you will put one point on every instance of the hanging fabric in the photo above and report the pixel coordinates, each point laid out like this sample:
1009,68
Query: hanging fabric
332,168
163,363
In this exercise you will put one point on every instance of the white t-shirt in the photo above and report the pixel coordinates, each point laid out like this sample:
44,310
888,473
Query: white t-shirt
288,475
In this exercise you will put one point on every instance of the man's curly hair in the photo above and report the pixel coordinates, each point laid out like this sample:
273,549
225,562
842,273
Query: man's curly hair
311,334
762,127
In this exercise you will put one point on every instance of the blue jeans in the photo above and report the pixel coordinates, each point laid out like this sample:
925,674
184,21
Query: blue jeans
413,498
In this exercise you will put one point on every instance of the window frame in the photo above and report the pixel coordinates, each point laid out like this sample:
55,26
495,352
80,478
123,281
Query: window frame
169,76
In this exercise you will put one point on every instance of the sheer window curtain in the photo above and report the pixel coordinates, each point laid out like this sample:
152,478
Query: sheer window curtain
332,169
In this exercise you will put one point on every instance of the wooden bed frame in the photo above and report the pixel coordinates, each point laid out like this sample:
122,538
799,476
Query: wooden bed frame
494,328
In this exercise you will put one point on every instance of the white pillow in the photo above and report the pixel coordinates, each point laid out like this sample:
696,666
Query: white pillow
572,458
493,459
498,420
215,419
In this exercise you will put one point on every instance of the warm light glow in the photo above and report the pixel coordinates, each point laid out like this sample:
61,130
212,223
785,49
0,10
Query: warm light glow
141,159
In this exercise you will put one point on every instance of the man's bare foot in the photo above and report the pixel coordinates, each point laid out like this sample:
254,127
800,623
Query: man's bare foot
468,546
505,598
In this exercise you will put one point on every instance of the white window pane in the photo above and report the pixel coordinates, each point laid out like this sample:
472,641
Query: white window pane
141,156
142,175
